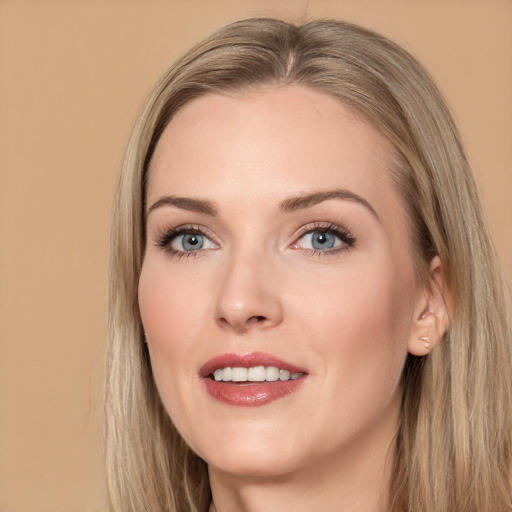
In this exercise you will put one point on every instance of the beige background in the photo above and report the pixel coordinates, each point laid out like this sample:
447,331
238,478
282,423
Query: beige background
73,74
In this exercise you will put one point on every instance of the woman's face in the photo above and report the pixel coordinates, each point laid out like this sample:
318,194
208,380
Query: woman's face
277,248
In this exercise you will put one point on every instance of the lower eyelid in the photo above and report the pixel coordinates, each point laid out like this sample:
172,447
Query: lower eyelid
318,253
185,254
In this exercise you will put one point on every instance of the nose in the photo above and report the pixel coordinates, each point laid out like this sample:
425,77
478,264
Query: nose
248,295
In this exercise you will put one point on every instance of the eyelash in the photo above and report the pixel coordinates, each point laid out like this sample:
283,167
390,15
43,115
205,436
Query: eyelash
347,238
166,239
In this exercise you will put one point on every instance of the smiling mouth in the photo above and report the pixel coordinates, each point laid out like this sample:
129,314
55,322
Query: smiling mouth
254,374
250,379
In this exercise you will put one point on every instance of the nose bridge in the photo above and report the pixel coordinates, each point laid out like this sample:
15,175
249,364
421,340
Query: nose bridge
248,295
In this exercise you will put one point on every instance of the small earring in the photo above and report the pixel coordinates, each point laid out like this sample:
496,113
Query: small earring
426,341
428,313
145,338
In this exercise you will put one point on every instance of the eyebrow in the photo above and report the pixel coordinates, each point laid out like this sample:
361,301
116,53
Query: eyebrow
289,205
185,203
293,204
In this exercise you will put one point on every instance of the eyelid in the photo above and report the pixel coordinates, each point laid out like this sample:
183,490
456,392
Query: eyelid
344,234
167,235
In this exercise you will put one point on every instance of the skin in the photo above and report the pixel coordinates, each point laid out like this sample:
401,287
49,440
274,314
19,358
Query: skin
348,316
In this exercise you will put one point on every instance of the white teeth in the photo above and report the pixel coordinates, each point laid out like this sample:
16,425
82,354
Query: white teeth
226,374
254,374
284,375
238,374
271,373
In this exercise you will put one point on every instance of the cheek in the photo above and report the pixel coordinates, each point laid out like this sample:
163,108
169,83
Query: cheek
376,300
363,322
173,314
172,306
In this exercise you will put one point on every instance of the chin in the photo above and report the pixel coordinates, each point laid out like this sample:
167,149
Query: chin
253,455
265,465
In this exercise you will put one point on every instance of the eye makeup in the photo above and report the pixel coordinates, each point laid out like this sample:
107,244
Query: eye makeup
313,239
193,240
324,238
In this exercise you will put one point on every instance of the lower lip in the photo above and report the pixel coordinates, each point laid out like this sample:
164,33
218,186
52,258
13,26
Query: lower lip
251,394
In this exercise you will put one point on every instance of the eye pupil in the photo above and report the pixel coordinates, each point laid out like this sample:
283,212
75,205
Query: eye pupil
192,242
322,240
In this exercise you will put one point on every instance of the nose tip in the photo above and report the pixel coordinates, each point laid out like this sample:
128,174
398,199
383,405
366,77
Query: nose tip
248,300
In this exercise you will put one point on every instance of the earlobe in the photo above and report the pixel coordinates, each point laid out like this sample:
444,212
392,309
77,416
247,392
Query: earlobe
432,319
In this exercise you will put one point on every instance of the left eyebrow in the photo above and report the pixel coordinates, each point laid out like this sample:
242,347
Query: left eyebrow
293,204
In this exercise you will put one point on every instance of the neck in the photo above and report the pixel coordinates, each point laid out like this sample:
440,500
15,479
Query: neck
355,479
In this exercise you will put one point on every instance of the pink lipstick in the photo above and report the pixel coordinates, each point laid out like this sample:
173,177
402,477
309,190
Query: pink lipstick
250,379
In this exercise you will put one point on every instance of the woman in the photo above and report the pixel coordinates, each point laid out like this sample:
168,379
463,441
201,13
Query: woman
306,309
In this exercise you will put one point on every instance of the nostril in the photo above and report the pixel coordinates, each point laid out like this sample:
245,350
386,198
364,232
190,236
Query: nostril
256,319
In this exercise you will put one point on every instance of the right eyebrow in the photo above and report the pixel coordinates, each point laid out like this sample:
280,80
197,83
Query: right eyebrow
185,203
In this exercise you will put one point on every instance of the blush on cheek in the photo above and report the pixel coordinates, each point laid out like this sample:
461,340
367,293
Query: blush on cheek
162,304
372,333
173,316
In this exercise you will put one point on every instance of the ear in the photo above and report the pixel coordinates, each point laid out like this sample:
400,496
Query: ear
431,319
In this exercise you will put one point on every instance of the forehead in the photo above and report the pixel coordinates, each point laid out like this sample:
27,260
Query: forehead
275,142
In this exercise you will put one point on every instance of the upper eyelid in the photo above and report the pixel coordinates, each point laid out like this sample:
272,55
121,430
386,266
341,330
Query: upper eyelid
317,226
174,232
184,228
346,235
324,226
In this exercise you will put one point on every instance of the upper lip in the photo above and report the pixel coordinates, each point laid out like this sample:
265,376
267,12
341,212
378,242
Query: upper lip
246,360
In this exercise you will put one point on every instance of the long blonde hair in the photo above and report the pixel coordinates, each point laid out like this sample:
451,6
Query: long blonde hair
453,447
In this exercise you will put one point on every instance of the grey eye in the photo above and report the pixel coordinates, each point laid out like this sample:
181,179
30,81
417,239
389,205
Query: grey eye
320,240
188,242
